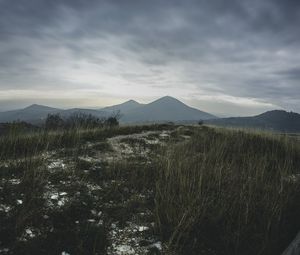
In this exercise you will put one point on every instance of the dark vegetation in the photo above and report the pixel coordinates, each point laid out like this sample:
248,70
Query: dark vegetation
17,127
80,121
229,192
207,191
53,199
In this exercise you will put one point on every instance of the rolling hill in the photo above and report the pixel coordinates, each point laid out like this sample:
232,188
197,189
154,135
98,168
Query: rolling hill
33,113
276,120
36,114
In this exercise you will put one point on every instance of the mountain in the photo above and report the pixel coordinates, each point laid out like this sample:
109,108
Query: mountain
164,109
277,120
124,108
36,114
32,113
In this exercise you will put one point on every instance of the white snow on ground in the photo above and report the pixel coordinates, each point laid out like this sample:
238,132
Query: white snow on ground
124,150
126,240
143,228
156,245
5,208
4,251
124,250
57,164
87,159
14,181
54,198
93,187
29,233
294,178
19,201
165,134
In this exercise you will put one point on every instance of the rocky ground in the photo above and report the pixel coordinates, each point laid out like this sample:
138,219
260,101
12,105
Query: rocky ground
96,199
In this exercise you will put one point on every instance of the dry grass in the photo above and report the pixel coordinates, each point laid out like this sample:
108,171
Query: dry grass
220,192
229,192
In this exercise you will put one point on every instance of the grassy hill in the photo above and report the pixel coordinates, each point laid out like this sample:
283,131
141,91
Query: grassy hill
157,189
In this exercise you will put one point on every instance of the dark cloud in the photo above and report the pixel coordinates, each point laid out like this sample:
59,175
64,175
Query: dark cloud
237,48
291,74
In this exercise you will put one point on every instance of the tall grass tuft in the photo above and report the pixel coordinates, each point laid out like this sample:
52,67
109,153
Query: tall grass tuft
17,145
229,192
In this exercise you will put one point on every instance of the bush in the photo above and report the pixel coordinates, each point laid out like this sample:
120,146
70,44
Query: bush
80,120
53,122
112,122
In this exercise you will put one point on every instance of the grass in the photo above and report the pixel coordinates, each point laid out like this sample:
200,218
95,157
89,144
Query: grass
18,145
35,218
229,192
209,191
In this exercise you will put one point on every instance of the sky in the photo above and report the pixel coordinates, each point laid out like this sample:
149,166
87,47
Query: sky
230,58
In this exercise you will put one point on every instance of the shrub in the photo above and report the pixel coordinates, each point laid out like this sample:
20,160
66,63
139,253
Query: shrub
112,122
54,122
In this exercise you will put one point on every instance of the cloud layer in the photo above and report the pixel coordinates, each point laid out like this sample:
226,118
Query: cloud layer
228,57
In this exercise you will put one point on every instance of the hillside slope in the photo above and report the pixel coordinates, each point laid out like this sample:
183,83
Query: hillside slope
277,120
32,113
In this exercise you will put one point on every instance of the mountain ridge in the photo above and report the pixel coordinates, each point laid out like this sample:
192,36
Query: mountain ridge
276,120
166,108
123,107
163,109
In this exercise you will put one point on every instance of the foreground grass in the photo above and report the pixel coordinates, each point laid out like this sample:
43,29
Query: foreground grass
55,199
17,145
206,191
229,192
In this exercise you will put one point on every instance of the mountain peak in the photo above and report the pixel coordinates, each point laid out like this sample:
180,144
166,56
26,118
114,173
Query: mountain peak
166,108
38,107
132,102
35,106
167,99
123,107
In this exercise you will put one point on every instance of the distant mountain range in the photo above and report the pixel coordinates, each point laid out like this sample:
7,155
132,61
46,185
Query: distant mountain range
276,120
31,113
162,110
38,113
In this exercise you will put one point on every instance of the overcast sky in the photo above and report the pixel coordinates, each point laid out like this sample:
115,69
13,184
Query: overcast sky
227,57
